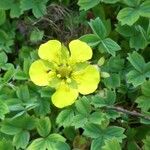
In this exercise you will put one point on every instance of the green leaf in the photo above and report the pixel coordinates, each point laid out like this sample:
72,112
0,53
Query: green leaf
36,35
87,4
79,121
139,35
14,104
2,16
37,144
58,146
128,16
65,117
110,1
6,145
38,7
110,46
147,70
20,75
8,128
43,107
26,65
146,88
26,4
98,28
45,92
91,39
21,139
3,109
145,121
15,10
113,81
3,58
146,143
56,137
106,99
144,9
132,3
136,78
134,41
7,66
112,144
8,75
52,142
97,117
70,133
143,103
125,30
95,131
44,126
14,126
144,100
3,36
115,132
97,143
137,61
56,141
112,114
139,77
23,93
6,4
83,106
116,64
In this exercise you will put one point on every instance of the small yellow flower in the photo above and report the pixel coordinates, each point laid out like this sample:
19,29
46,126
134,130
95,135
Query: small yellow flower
66,71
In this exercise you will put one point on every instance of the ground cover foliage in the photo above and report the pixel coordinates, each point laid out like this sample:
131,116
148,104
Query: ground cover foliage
116,116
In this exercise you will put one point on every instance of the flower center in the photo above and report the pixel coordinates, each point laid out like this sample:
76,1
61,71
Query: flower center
64,71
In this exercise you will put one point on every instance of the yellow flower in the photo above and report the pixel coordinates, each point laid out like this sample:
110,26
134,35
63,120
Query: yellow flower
66,71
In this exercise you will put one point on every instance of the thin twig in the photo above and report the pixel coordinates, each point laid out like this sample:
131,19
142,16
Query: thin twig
132,113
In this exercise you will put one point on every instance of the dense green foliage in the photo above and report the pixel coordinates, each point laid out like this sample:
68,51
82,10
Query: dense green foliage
117,115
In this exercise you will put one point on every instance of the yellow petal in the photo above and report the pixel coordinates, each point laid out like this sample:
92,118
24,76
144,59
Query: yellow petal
80,51
50,51
38,73
64,96
87,79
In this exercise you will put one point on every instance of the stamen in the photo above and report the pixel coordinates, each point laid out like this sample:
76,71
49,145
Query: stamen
58,75
64,71
68,80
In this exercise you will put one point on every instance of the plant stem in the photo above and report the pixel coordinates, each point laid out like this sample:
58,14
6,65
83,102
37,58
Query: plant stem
132,113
